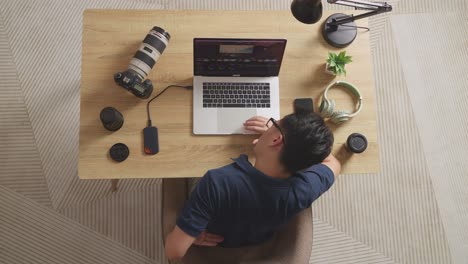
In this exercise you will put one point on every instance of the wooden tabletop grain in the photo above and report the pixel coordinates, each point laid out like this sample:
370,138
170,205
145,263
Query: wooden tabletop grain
111,38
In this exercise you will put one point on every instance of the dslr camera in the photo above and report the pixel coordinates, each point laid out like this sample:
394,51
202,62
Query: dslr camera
134,78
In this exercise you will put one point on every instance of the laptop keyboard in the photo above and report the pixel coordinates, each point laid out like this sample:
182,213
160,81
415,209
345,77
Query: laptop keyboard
240,95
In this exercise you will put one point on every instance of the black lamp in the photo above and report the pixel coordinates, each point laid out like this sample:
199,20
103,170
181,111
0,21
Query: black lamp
339,30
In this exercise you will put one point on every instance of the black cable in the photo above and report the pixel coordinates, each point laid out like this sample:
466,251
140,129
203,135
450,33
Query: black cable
156,96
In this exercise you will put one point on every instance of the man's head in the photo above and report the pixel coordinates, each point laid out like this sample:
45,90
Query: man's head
297,142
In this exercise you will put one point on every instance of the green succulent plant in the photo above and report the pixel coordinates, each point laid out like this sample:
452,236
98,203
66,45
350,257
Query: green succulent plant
337,62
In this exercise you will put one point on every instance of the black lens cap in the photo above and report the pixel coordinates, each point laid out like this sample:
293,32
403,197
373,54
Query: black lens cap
111,118
119,152
357,143
107,115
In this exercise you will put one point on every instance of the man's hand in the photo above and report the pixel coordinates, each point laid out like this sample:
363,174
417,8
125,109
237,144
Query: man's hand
178,242
256,124
207,239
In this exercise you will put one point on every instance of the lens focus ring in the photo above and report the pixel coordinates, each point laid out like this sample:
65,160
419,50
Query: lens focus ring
155,42
145,58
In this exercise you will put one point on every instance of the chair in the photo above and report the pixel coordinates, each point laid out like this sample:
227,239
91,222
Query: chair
292,244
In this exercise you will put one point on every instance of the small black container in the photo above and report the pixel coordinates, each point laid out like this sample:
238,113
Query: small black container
111,119
119,152
356,143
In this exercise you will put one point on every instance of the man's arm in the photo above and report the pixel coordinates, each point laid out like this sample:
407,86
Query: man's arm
193,220
177,244
311,183
332,163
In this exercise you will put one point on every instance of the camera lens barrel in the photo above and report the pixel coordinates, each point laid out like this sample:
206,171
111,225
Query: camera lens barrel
149,51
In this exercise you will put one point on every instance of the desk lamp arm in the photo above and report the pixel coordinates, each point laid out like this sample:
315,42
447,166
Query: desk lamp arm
376,7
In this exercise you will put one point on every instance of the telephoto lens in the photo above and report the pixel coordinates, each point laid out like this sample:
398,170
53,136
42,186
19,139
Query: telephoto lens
149,52
152,47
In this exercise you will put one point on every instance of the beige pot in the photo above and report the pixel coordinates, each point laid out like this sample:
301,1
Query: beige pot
329,71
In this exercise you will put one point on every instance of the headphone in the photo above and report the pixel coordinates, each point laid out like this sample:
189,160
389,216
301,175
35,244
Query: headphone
327,106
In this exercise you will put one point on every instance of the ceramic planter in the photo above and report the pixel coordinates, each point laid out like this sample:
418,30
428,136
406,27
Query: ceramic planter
327,70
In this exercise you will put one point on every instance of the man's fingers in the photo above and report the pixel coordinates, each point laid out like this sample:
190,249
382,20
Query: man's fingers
255,129
208,239
206,243
258,118
213,237
255,123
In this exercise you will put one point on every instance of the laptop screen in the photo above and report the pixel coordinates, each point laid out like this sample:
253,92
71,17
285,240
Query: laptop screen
238,57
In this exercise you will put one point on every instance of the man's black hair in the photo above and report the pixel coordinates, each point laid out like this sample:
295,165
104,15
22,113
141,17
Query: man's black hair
308,141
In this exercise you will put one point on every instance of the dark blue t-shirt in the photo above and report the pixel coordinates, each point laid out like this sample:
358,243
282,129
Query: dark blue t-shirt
246,206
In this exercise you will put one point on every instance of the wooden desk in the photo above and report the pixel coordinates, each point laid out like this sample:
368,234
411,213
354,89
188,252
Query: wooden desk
111,38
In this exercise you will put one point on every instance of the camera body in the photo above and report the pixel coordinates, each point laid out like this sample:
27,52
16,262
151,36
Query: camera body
133,83
152,47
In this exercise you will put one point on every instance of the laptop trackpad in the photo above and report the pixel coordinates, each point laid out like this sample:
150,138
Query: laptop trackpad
231,121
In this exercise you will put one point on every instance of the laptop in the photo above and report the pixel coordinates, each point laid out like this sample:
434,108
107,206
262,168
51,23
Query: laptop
234,79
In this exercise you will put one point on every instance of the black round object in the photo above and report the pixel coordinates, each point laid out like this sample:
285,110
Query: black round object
339,36
119,152
307,11
111,119
356,143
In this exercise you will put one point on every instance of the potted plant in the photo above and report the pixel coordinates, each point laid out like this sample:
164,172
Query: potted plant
336,63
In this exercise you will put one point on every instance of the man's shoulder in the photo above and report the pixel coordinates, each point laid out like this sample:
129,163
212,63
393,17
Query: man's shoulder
317,169
227,171
229,174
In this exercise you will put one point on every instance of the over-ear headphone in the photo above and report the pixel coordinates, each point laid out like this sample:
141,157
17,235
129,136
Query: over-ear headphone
327,107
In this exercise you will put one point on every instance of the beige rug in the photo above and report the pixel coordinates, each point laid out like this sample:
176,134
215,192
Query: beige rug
433,49
401,215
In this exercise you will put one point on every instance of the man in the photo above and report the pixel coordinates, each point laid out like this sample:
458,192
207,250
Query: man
240,204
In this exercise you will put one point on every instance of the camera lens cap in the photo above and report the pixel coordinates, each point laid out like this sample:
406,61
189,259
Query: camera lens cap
107,115
111,118
357,143
119,152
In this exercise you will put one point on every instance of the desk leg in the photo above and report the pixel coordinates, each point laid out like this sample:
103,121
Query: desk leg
114,184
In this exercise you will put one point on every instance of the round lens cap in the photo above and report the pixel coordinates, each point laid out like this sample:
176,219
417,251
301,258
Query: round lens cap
119,152
357,143
108,115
